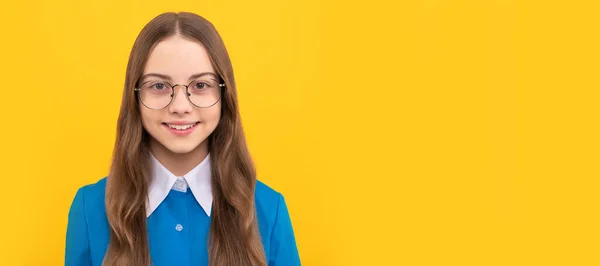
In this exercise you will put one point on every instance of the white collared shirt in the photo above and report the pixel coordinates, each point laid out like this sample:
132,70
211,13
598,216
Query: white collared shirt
163,181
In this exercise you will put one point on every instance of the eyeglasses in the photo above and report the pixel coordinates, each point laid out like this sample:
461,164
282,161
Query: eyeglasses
158,94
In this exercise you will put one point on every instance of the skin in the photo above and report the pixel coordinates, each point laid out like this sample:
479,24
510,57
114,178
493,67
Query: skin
180,58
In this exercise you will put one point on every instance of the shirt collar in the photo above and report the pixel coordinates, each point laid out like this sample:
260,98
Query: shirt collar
198,180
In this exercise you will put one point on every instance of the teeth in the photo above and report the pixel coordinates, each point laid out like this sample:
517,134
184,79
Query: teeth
180,127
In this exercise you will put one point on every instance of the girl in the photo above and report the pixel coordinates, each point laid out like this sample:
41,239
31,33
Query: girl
182,188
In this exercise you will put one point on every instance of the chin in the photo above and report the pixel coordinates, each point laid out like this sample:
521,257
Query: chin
175,145
182,148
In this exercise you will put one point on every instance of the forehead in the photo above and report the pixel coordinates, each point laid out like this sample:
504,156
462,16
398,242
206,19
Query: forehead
179,58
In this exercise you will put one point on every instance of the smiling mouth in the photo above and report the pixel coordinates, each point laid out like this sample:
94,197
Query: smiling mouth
181,127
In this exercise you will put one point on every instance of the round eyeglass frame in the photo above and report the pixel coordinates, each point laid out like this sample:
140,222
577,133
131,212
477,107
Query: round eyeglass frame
187,95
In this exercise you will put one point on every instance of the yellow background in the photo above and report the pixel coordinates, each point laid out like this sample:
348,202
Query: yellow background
416,132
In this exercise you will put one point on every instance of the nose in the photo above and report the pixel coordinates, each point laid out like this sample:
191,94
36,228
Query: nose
180,103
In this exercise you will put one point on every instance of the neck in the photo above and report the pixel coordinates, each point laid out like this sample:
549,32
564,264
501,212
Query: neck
179,163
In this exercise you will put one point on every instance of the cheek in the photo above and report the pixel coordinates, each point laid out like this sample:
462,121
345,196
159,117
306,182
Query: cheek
144,117
149,118
217,113
212,115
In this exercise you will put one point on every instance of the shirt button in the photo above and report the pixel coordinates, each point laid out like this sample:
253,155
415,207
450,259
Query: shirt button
179,227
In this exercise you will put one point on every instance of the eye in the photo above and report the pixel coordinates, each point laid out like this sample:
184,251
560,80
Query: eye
155,86
200,85
158,86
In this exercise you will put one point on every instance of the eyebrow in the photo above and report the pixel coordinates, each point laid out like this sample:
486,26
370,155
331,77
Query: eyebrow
167,77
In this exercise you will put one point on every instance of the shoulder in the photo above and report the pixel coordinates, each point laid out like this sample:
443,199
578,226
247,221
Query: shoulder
91,196
270,205
275,226
264,193
87,227
94,190
267,201
87,208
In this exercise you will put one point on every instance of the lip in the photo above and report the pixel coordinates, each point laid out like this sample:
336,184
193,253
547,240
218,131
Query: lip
181,133
180,122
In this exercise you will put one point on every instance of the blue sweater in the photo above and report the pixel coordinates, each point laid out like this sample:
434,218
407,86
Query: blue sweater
178,229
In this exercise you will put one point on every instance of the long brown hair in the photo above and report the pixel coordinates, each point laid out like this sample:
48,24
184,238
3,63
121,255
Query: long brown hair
234,236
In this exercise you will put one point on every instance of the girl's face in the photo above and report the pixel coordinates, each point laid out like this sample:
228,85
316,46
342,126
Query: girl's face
180,127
